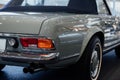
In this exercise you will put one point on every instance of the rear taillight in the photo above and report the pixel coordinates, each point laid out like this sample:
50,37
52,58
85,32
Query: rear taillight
29,42
37,43
45,43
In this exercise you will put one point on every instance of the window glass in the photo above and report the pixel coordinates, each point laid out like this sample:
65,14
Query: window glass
117,8
101,7
114,6
111,5
45,3
3,3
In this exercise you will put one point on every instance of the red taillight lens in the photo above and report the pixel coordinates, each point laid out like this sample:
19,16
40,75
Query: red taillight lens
37,43
28,42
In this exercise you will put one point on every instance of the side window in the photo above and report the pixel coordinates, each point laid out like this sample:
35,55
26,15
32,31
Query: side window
111,5
101,7
117,7
114,6
45,2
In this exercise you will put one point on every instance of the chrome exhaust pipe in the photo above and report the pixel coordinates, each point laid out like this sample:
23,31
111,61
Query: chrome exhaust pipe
33,70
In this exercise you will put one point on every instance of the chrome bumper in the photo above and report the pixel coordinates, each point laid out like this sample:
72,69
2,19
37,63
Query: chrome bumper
28,58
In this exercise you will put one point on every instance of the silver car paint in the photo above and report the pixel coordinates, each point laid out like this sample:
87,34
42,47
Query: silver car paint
73,32
25,23
70,32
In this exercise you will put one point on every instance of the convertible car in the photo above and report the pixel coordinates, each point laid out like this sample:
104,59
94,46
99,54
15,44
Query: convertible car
52,34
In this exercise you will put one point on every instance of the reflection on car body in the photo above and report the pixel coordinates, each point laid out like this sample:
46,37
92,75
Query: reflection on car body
40,34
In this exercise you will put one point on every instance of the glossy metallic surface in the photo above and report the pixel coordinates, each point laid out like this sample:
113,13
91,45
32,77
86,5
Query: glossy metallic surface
70,33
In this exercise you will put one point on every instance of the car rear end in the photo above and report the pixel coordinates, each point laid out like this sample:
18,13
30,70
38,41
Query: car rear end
20,41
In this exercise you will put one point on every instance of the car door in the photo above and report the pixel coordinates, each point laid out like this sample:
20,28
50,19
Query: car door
114,7
110,22
117,18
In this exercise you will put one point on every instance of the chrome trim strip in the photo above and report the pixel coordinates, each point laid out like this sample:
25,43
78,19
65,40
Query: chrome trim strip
110,48
23,56
111,43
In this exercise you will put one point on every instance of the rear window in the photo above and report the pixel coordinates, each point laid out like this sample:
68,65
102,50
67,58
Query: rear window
69,6
45,3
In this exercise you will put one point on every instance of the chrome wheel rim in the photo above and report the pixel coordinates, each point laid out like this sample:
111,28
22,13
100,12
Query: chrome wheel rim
95,63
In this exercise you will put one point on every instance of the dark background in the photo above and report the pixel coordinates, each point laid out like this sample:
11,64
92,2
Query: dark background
110,71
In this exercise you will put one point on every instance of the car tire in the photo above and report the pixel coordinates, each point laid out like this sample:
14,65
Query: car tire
117,51
90,62
1,66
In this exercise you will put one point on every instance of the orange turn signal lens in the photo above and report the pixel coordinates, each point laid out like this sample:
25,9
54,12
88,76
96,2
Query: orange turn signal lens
45,43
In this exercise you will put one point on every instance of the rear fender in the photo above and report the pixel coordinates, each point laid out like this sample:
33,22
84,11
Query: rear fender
90,33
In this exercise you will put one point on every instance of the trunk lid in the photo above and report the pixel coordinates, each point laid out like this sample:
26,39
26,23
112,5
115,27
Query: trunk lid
25,23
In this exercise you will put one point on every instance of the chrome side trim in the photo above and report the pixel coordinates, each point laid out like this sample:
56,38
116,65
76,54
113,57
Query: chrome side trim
110,47
111,43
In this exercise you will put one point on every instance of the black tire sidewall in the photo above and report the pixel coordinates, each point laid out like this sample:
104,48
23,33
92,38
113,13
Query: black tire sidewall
117,51
86,58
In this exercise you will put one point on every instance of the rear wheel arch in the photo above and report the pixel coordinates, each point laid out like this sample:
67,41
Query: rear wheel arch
99,34
85,61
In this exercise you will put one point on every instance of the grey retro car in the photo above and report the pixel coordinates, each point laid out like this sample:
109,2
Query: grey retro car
51,34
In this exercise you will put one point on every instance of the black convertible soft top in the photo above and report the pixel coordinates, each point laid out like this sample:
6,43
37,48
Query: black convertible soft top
74,6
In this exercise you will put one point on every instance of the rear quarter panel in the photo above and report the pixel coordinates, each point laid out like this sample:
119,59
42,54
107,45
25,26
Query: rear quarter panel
70,34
